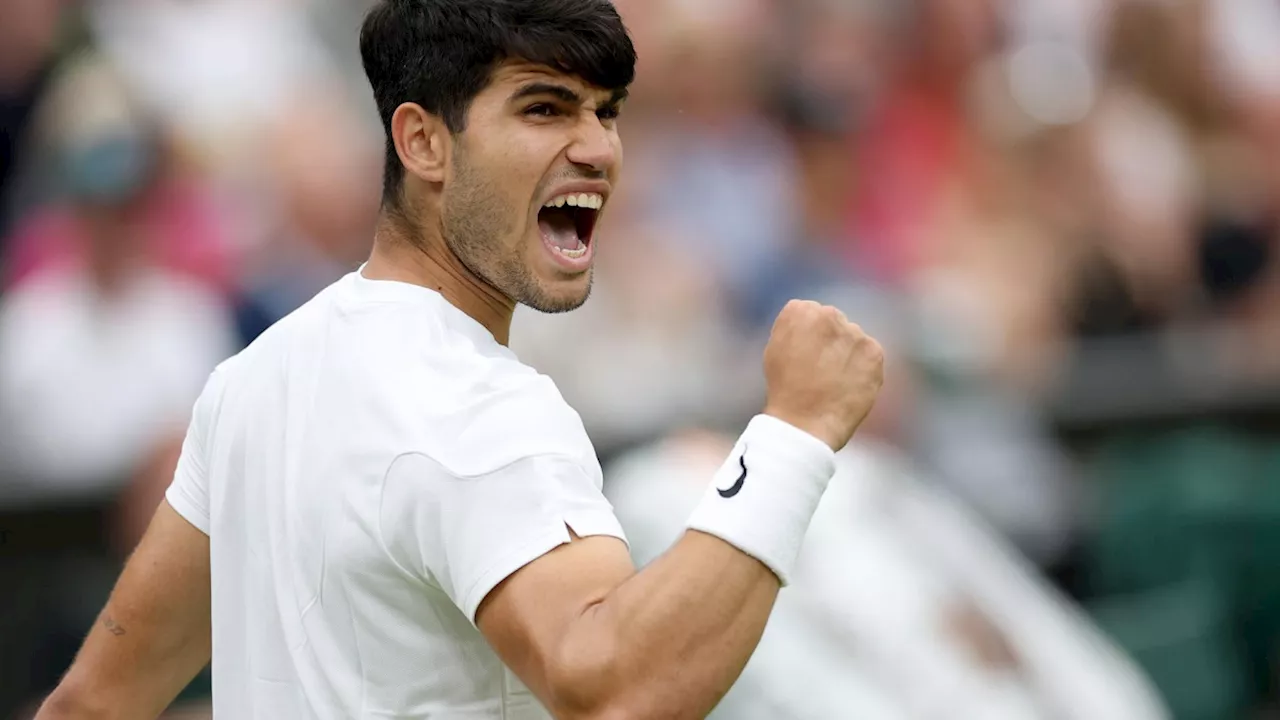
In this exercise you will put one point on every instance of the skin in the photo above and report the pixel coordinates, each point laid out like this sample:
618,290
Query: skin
473,199
588,634
152,637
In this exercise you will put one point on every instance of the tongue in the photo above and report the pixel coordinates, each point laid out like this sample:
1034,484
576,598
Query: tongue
559,227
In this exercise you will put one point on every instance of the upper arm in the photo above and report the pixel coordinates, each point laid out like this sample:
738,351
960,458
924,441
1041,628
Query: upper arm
523,551
153,636
502,510
528,616
466,535
188,494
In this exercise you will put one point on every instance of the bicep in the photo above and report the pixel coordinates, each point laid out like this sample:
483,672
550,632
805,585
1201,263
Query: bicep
524,550
527,617
153,636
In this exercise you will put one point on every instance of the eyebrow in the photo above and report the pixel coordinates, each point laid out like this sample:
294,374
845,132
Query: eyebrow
544,88
563,93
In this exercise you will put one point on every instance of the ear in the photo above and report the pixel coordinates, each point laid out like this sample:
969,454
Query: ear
422,142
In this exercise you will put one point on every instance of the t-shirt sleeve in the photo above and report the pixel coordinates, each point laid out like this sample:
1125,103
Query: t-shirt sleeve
467,534
188,494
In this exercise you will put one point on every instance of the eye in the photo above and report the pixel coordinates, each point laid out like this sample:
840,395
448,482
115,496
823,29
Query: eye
610,112
541,110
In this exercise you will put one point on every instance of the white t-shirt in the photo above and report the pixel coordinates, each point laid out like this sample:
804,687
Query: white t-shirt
367,471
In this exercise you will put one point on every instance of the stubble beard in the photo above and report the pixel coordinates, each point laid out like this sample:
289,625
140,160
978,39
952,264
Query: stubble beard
472,223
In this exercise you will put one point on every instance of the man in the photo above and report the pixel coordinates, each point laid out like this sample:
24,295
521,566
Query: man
382,513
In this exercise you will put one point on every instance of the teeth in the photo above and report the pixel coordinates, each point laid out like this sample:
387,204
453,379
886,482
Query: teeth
574,254
584,200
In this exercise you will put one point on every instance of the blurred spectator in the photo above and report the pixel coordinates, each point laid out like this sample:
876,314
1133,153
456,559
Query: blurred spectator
903,605
216,73
314,213
915,141
704,156
102,350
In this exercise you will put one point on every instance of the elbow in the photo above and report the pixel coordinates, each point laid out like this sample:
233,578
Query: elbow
613,691
591,685
612,709
610,690
598,675
579,696
617,712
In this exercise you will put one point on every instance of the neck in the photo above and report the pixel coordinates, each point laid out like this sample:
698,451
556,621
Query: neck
421,257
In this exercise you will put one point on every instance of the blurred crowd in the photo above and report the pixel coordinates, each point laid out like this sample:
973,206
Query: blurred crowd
1059,217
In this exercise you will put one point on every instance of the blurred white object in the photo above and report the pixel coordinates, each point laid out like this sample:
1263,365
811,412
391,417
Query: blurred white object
895,594
90,385
214,70
1145,155
1051,82
1242,38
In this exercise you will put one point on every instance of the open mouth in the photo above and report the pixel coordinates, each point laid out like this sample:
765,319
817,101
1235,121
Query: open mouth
568,222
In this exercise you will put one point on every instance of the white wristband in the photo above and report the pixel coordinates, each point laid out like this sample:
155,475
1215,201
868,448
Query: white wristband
762,499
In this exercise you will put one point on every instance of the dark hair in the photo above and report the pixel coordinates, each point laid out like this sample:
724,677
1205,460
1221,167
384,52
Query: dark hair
441,54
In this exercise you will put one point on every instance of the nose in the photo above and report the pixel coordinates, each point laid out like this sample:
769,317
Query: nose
594,147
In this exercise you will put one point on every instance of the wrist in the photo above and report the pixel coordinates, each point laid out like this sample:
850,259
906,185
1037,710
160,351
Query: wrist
763,497
816,428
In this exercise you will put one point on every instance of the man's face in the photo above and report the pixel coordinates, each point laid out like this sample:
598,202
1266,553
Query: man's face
537,162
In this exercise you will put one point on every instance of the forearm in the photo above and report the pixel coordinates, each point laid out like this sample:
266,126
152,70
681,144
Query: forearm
113,678
153,635
671,640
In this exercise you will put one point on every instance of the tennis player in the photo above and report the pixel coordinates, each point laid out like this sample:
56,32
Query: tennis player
379,512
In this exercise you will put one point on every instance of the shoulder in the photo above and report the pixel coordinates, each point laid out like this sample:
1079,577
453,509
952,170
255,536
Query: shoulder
492,411
459,397
215,386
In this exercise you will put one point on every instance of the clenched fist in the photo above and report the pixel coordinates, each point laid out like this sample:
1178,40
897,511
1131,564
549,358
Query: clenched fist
823,372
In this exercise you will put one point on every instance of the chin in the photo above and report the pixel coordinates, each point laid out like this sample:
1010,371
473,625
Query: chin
561,296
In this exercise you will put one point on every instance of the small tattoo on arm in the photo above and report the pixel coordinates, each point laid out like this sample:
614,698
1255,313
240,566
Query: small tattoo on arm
112,626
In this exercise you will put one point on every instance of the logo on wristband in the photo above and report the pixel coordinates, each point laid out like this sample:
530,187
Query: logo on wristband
737,484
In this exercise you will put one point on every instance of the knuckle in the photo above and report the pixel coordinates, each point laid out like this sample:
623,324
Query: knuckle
875,349
796,310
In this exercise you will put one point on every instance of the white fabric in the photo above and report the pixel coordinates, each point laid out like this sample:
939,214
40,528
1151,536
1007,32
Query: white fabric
861,632
367,472
776,475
